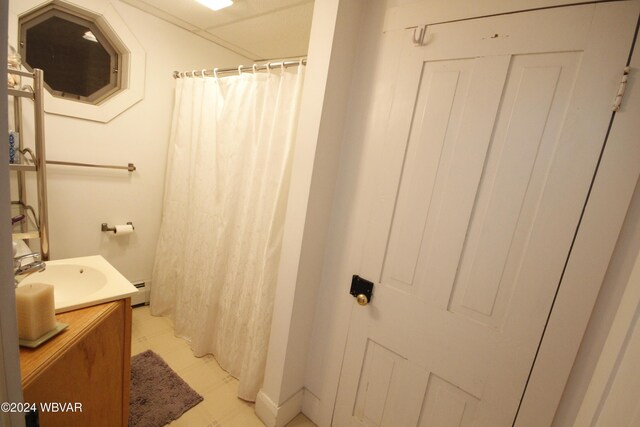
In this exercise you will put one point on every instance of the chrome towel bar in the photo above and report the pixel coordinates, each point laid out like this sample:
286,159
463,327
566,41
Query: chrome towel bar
130,167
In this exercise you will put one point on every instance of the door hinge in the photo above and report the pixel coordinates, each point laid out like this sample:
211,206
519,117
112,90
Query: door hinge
623,86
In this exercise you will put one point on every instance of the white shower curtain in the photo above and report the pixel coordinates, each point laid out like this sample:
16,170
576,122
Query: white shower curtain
225,195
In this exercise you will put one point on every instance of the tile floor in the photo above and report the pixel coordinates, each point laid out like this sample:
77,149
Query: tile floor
220,407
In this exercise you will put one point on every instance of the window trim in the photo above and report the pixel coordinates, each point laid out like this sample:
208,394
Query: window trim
84,19
132,72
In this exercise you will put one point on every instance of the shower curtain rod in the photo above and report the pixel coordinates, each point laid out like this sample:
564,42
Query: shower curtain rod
241,68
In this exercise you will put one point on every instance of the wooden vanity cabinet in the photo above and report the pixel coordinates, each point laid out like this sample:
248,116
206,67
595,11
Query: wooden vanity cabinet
88,363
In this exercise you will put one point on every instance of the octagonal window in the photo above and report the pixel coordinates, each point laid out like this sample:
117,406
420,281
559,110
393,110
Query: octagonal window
80,61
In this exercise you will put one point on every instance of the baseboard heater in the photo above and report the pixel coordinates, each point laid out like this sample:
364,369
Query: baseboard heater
142,297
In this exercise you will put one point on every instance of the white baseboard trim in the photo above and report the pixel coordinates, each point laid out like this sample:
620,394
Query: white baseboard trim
311,406
278,416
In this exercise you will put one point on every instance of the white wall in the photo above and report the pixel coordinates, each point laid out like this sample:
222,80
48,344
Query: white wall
81,199
369,104
318,145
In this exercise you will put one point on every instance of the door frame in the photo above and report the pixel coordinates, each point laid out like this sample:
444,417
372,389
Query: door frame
10,384
606,208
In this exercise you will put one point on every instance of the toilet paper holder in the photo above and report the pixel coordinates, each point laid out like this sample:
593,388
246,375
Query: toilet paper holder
105,227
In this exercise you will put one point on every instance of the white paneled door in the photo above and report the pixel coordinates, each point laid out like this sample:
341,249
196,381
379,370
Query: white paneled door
491,145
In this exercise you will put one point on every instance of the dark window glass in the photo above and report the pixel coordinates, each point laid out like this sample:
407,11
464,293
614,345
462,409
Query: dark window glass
73,60
78,60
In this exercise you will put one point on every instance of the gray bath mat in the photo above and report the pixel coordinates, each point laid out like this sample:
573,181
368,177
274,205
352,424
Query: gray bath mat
158,394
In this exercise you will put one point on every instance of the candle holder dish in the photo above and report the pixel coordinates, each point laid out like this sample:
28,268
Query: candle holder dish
44,338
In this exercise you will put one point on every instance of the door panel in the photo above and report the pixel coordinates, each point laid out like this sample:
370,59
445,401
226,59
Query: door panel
491,145
446,82
525,138
464,147
445,405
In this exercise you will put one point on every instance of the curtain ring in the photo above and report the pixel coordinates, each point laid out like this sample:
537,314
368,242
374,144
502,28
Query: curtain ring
193,73
202,73
282,67
255,68
240,70
215,73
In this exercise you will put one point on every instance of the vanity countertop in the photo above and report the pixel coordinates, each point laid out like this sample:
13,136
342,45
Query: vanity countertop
33,361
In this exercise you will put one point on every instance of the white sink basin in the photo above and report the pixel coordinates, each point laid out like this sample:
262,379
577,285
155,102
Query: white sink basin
82,282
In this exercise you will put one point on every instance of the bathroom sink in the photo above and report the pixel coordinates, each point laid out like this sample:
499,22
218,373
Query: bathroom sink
82,282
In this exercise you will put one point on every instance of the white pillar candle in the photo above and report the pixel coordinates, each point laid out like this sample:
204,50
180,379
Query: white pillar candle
36,310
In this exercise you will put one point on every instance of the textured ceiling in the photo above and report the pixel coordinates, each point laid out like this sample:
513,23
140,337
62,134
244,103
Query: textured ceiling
257,29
